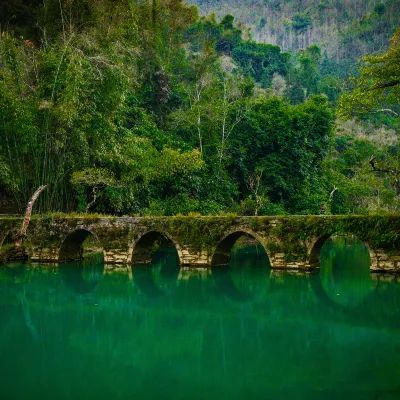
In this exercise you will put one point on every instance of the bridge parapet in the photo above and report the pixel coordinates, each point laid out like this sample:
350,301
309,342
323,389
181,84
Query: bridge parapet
292,242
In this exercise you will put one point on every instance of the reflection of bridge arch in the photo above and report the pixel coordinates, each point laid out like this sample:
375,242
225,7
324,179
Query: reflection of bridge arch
344,279
81,269
227,285
82,276
160,278
222,252
155,274
144,280
319,291
247,276
144,245
322,296
316,246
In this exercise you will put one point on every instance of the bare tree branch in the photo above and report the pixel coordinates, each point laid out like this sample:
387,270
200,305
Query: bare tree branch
254,184
389,110
335,188
385,85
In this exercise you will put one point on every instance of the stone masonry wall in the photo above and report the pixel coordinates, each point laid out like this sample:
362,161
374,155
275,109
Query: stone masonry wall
290,242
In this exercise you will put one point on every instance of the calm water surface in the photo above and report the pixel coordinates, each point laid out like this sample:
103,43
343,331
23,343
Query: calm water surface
241,332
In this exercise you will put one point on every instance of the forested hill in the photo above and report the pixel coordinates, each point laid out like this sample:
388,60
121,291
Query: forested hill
366,25
144,107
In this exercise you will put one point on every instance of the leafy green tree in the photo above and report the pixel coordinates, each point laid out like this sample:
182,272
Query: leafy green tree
301,22
288,143
377,88
95,178
261,61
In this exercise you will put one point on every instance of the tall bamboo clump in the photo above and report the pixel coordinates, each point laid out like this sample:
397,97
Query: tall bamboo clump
61,97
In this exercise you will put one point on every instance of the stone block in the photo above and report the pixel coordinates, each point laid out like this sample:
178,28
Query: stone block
386,265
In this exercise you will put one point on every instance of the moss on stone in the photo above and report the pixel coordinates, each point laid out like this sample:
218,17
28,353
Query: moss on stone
291,235
272,247
11,252
113,237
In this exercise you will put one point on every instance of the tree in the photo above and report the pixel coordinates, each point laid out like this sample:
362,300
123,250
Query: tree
94,178
287,144
137,165
377,88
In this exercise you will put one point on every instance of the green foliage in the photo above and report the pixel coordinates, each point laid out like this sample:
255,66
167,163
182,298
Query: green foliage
300,22
93,177
287,143
338,204
377,88
170,113
261,61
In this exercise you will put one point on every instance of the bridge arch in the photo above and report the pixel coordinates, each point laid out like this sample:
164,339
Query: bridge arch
317,244
153,272
222,252
143,246
81,257
72,248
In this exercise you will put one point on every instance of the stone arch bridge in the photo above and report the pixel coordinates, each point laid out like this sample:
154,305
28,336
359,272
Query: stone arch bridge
292,242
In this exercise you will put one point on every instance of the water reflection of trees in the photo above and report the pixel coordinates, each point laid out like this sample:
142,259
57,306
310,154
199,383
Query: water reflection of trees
123,344
14,271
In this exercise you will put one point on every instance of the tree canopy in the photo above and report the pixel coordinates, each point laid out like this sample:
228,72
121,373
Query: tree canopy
147,108
377,87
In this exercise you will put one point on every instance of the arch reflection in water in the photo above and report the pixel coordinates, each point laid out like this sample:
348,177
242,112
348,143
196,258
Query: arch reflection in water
83,276
344,277
81,261
247,275
155,266
14,271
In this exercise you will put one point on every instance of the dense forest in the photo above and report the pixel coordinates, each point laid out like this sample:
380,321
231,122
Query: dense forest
146,107
294,24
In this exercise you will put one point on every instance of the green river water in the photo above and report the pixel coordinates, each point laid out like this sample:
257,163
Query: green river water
237,332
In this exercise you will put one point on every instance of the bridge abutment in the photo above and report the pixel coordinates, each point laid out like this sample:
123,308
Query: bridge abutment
116,256
44,254
194,257
382,261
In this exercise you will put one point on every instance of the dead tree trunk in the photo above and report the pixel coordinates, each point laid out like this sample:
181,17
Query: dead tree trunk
94,191
28,213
